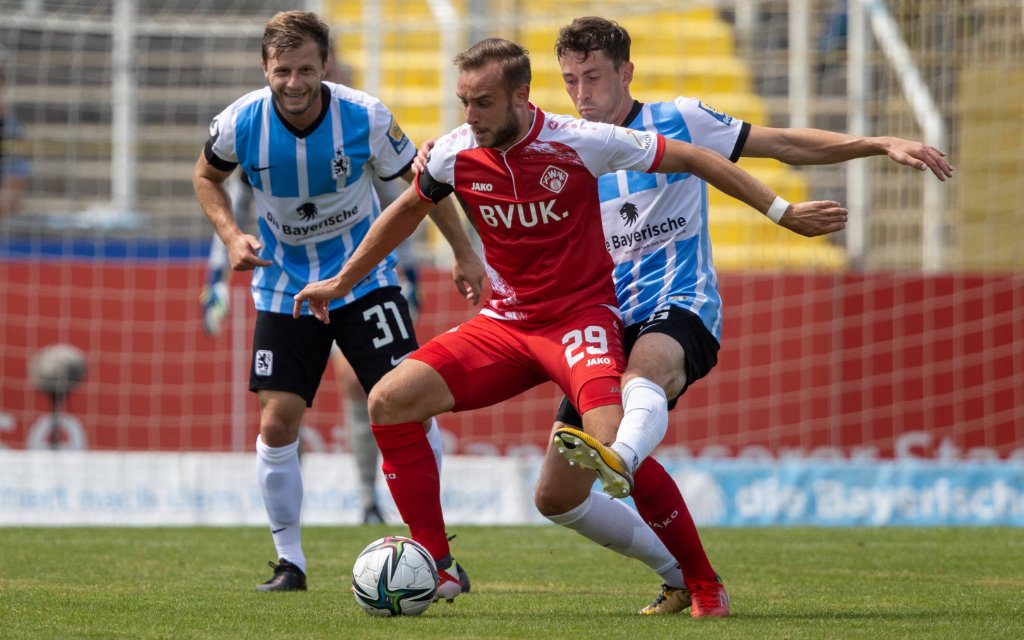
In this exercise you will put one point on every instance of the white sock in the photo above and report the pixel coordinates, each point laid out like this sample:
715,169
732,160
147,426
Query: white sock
436,442
644,421
611,523
280,479
364,448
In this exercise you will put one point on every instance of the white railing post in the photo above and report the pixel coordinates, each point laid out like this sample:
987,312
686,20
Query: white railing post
746,21
856,170
928,117
448,25
933,249
799,64
124,170
371,47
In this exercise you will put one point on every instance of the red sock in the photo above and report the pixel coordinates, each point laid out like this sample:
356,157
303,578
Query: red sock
411,472
660,504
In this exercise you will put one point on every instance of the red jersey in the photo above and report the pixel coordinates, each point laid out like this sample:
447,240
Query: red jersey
536,208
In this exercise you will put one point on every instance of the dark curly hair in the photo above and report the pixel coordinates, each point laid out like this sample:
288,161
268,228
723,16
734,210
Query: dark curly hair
586,35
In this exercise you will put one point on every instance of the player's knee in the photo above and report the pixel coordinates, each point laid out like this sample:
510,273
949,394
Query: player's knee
553,499
671,381
377,403
276,432
548,502
387,403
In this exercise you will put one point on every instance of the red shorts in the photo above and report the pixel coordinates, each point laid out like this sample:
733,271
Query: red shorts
484,361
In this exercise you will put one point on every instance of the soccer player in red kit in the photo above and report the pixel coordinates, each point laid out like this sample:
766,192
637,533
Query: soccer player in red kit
528,180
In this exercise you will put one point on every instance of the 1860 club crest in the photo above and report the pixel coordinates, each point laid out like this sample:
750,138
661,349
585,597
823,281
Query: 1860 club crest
340,165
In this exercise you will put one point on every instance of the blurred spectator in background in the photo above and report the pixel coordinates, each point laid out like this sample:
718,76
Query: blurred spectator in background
14,168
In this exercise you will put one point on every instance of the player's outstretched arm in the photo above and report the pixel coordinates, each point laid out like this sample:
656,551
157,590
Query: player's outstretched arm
817,146
396,223
807,218
243,249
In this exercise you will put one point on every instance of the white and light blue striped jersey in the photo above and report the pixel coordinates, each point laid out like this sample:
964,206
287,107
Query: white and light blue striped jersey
313,189
656,225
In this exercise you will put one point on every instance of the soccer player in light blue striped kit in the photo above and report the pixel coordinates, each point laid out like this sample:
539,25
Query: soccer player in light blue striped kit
309,149
656,228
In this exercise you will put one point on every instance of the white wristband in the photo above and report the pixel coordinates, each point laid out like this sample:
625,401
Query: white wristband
778,208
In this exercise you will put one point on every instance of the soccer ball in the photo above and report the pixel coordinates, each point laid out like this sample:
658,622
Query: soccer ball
394,576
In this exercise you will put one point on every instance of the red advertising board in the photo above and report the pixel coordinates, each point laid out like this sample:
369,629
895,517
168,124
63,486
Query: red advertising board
852,365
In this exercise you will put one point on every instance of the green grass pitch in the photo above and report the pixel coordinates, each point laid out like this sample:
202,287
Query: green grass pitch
539,582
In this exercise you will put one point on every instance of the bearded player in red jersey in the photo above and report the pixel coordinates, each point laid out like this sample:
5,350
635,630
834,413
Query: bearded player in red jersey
528,180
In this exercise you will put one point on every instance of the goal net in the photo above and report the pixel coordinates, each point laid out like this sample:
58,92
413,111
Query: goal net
826,351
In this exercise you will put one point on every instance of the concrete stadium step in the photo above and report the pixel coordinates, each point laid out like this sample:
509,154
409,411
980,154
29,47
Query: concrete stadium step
691,34
736,223
743,239
408,68
410,25
745,106
785,256
686,38
538,9
668,76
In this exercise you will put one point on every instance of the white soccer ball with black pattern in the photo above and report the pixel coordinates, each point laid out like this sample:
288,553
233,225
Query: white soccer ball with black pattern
394,576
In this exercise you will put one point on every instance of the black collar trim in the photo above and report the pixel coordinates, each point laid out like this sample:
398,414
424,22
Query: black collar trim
325,108
633,113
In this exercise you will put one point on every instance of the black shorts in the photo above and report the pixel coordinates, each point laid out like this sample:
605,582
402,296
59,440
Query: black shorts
684,327
290,354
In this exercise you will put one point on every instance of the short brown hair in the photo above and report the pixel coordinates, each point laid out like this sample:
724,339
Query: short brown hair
288,30
514,60
591,33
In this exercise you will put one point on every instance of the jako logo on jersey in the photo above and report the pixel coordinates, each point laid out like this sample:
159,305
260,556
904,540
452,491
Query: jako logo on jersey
529,214
340,164
629,213
307,211
482,186
554,179
597,360
642,139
